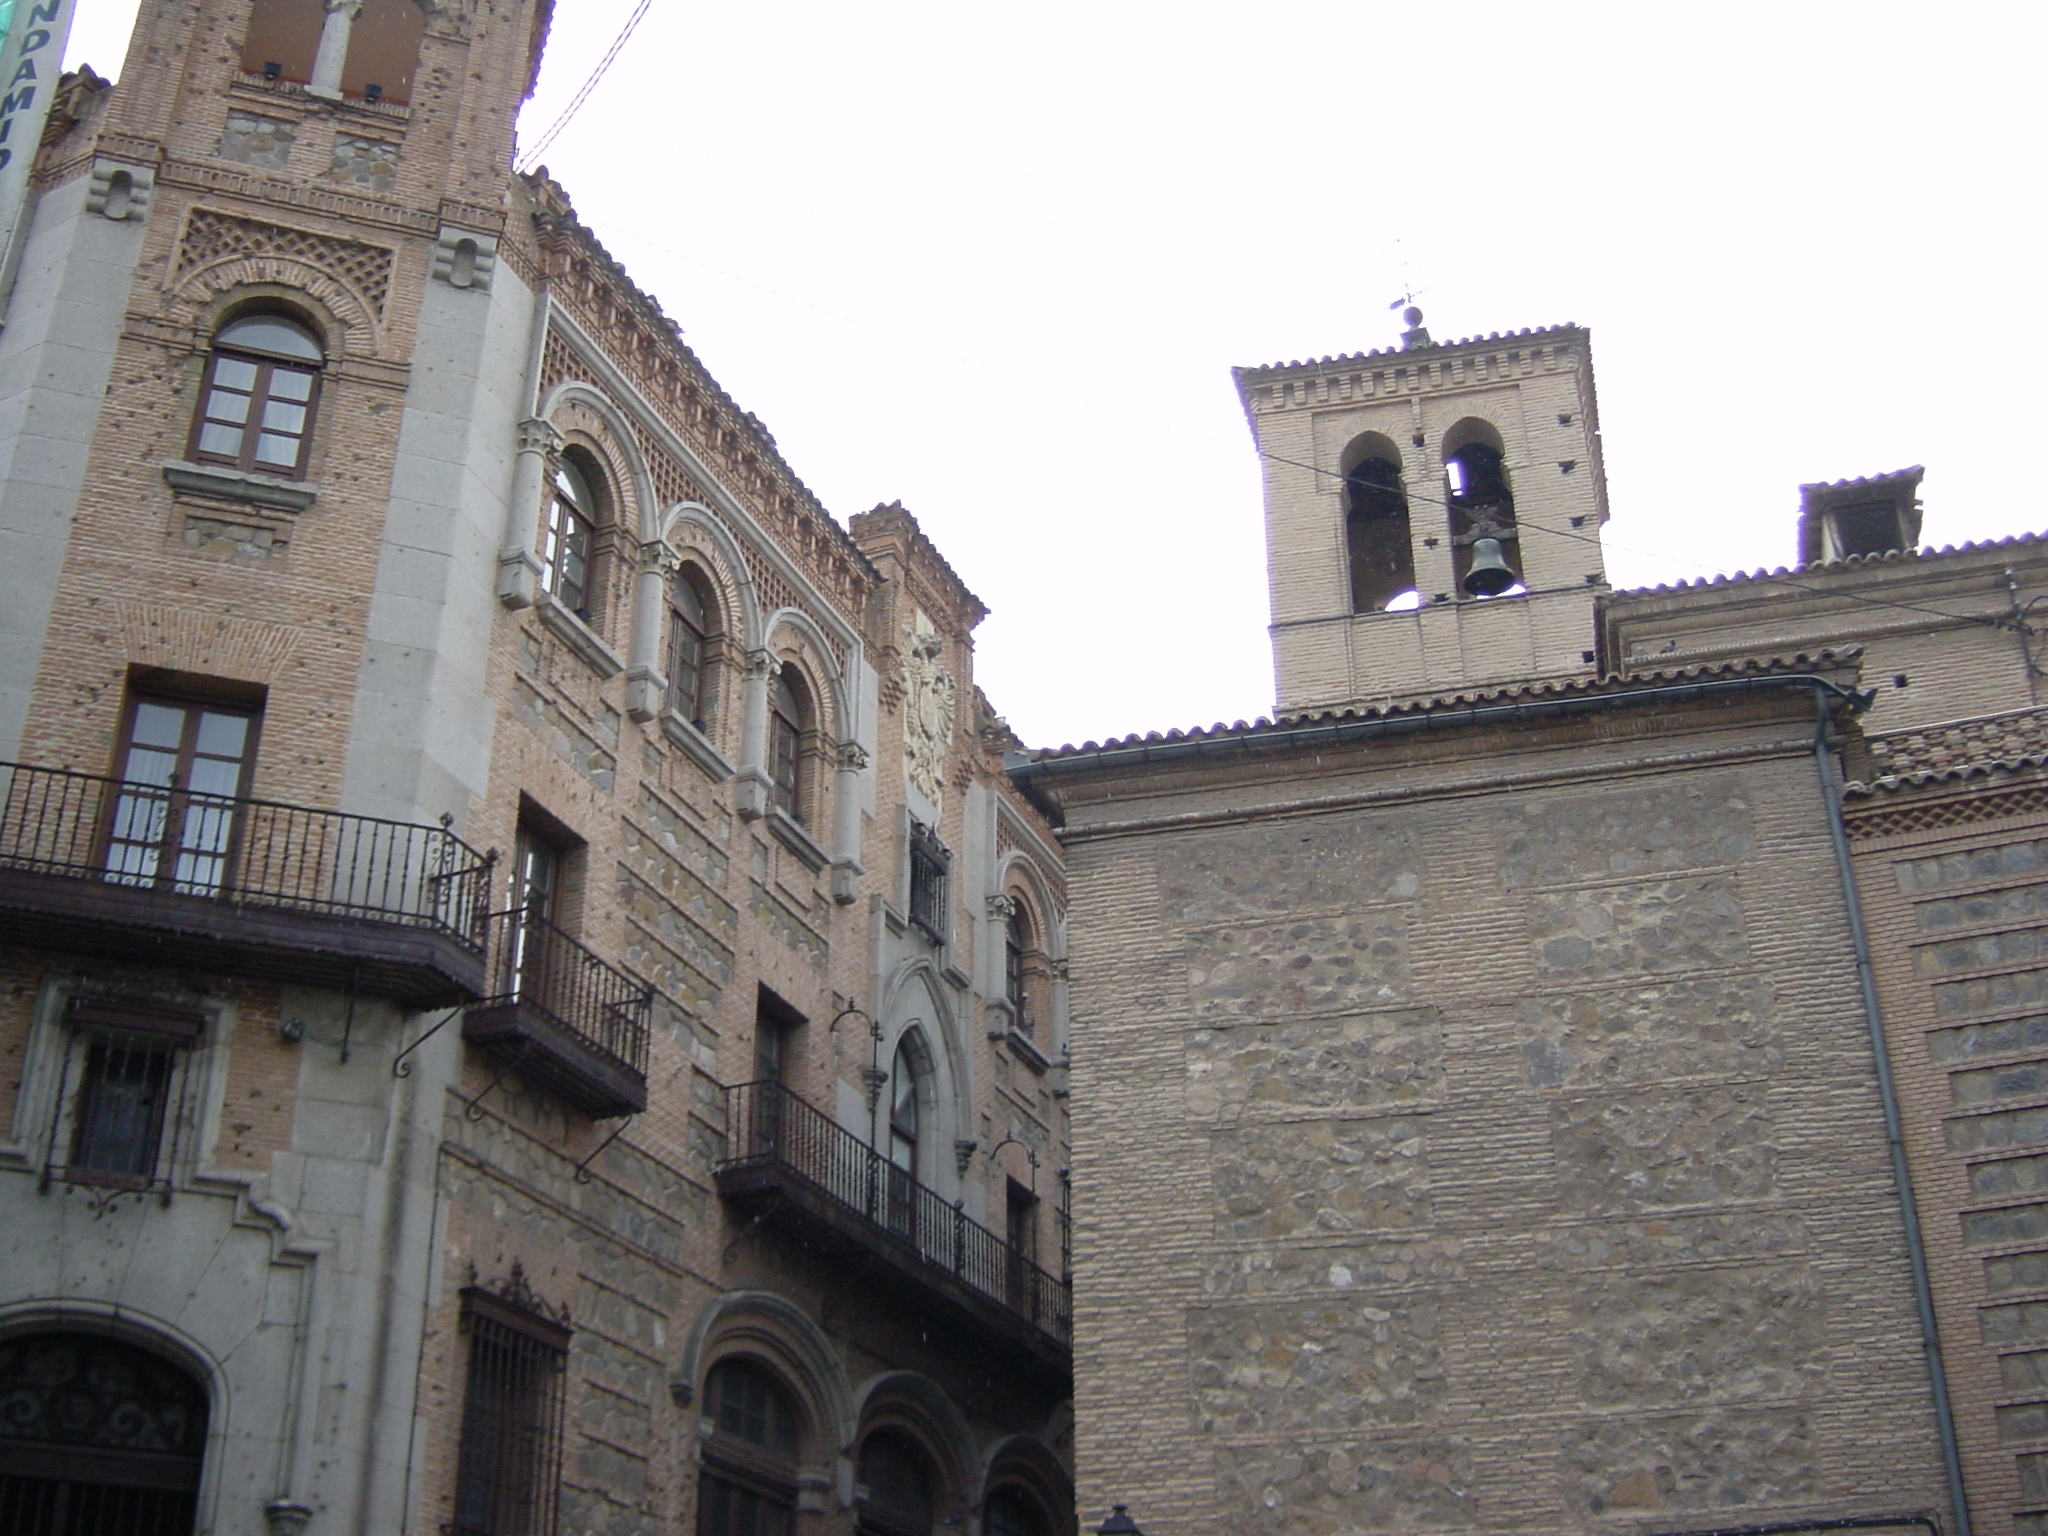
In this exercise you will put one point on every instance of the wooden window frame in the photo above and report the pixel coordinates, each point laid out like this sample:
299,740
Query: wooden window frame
685,635
268,366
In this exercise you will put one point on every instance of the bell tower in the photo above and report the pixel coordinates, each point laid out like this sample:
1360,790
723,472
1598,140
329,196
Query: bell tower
1432,515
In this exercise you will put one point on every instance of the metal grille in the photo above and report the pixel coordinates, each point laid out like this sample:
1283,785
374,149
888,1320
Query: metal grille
37,1506
508,1474
543,968
767,1124
928,866
267,854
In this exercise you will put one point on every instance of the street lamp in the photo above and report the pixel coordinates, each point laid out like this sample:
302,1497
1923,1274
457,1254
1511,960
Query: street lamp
1119,1523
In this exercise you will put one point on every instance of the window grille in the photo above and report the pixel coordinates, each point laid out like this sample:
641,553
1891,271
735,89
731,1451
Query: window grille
929,864
129,1103
508,1471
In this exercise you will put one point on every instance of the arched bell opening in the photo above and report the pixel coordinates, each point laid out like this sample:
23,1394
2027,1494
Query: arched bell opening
97,1435
1486,549
1377,543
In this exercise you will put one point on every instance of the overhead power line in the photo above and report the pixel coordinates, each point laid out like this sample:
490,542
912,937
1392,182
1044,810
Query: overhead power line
531,157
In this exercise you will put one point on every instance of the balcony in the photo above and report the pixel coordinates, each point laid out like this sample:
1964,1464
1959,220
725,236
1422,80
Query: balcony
153,875
787,1162
563,1019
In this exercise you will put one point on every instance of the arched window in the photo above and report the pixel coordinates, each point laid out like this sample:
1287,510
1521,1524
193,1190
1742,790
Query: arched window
1482,508
748,1485
97,1435
566,556
789,719
909,1097
262,383
1010,1511
691,626
1016,982
1376,530
377,52
896,1482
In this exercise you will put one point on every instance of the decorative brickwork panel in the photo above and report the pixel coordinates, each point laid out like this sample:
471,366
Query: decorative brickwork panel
1687,824
1677,1339
2009,1176
1688,1026
1348,1486
1336,1366
1987,1085
1655,926
1954,812
1312,965
1343,1269
1627,1153
1261,871
1971,866
1997,1039
1992,1133
362,162
1331,1176
1376,1061
1717,1238
212,236
1690,1463
258,141
2019,1323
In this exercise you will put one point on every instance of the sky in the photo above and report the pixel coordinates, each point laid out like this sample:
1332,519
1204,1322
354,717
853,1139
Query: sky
996,262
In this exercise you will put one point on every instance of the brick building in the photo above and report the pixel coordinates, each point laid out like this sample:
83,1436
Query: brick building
1581,1065
527,1000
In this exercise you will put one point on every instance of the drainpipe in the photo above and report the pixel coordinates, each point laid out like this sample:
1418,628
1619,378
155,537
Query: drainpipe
1923,1295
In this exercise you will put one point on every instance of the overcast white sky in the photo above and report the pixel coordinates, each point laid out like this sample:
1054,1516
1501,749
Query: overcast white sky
997,261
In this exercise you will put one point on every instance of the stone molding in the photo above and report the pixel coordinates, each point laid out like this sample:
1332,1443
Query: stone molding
239,485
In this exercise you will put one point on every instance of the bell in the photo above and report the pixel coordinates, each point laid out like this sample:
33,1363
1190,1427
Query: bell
1490,574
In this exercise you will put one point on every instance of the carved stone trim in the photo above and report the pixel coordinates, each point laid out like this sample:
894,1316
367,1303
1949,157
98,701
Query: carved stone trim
239,485
464,259
845,882
111,196
696,746
852,756
1002,907
518,578
657,559
793,837
538,435
578,636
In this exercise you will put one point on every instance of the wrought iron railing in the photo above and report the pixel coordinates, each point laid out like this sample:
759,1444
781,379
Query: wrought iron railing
541,967
766,1124
242,851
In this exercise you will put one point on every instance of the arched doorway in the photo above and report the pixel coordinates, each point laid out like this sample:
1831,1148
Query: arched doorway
97,1438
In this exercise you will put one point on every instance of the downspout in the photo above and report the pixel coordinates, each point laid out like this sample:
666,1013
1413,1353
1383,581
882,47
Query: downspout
1866,976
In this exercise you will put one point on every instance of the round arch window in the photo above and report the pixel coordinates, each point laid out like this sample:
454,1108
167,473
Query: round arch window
748,1486
262,387
98,1435
897,1478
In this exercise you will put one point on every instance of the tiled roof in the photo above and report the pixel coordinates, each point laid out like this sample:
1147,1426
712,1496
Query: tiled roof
1618,684
1410,352
1960,750
1912,473
1851,562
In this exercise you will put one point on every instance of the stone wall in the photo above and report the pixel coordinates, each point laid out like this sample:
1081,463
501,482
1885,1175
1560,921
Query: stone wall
1462,1158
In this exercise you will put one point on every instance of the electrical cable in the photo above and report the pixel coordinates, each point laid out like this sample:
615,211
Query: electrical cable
1781,581
540,145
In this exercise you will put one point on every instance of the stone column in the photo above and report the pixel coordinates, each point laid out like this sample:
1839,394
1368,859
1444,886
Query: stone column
646,684
333,52
852,758
518,563
753,793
